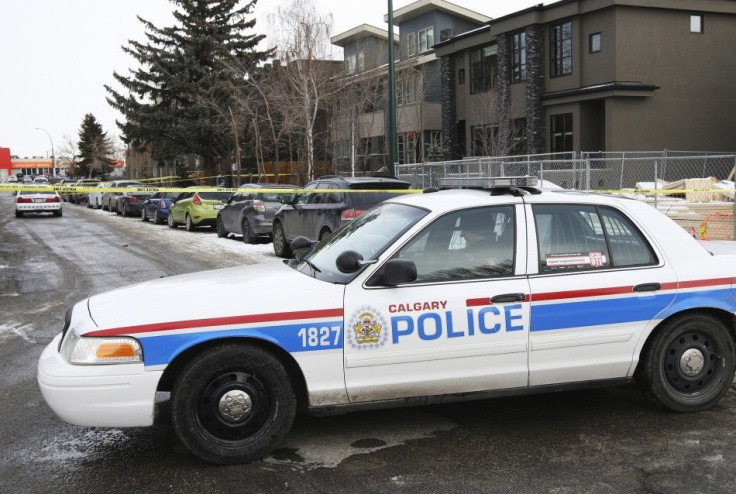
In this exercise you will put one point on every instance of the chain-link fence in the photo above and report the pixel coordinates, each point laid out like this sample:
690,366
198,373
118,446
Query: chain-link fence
599,171
695,190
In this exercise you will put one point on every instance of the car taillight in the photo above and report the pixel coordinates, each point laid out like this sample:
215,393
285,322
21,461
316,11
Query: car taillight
259,206
196,200
53,199
162,205
23,199
351,214
132,199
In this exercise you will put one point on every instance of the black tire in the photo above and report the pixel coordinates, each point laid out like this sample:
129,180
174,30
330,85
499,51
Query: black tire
281,246
170,221
124,211
221,228
57,212
188,224
199,413
689,365
143,215
248,236
105,208
156,218
18,214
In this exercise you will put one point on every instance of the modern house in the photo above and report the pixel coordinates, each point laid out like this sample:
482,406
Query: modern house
593,75
361,120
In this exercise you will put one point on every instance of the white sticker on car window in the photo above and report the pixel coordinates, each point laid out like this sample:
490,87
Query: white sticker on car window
595,259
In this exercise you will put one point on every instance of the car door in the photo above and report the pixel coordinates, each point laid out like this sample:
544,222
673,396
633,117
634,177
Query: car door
461,327
597,283
295,215
231,212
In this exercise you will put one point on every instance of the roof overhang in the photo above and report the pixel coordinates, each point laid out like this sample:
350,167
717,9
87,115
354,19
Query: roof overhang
611,89
421,7
359,32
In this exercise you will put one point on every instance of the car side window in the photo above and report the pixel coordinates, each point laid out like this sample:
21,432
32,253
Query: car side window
465,245
319,197
304,197
627,244
570,238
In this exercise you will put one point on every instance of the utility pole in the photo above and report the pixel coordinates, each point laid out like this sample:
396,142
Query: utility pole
53,157
393,154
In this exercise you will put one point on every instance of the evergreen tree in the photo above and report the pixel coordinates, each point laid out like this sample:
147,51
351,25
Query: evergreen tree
168,100
95,149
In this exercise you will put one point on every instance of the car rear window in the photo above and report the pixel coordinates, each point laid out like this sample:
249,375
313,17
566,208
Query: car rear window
215,196
366,200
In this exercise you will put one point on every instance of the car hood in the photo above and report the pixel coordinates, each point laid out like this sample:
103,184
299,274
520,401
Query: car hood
269,288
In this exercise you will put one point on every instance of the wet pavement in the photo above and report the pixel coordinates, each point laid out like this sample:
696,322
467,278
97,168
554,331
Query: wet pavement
596,441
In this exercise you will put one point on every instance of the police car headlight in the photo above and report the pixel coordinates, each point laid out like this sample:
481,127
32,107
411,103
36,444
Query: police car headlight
83,350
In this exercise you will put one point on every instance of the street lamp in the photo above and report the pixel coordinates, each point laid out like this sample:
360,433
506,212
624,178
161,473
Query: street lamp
53,160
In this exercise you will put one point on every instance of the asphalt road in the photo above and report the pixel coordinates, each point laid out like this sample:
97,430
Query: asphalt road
607,440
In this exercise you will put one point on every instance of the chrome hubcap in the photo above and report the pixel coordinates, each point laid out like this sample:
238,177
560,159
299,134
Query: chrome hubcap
692,362
235,405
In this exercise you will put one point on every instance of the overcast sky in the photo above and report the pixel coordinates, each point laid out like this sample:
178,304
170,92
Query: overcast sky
57,54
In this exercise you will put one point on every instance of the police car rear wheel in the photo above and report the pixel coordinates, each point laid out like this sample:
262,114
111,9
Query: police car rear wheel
233,404
690,364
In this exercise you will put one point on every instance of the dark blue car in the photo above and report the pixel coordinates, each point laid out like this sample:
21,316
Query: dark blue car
156,207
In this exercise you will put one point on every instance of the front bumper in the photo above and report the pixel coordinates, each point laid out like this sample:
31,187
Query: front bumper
38,207
118,395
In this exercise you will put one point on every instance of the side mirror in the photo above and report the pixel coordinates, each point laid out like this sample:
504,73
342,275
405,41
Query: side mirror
349,261
300,243
287,199
397,272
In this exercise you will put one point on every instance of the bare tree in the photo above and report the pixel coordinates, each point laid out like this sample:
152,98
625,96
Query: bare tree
301,40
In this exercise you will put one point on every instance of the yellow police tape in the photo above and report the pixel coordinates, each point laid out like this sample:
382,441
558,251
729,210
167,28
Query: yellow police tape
71,189
86,189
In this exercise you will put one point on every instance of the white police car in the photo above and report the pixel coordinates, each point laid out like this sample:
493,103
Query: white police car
445,295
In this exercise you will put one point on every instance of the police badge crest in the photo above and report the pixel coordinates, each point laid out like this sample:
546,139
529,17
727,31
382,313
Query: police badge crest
367,329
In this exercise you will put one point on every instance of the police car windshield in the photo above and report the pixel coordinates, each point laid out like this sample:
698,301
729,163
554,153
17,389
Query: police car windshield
370,234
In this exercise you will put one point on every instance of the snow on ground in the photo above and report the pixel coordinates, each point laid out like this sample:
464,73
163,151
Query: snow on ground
227,251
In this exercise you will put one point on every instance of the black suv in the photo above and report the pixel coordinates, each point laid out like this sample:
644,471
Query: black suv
317,214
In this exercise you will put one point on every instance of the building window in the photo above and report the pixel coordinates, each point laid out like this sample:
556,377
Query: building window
461,76
560,45
361,61
518,57
411,44
426,39
595,42
696,23
561,133
482,69
409,87
350,63
401,148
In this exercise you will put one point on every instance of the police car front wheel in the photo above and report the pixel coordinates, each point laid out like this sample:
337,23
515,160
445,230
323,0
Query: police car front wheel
690,363
233,404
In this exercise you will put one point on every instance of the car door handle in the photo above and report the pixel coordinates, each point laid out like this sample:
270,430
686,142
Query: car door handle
648,287
508,297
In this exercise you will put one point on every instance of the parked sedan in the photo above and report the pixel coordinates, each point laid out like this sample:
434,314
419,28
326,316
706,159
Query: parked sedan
250,213
95,198
110,199
29,201
195,209
157,207
79,198
131,203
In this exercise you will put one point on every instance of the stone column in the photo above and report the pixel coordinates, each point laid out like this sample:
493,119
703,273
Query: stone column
504,91
535,128
449,102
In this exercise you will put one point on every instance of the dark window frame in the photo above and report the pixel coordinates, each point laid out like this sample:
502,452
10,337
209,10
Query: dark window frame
564,132
557,56
590,42
517,57
482,72
461,76
702,23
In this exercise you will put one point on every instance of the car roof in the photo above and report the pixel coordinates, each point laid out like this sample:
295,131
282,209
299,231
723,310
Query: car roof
363,180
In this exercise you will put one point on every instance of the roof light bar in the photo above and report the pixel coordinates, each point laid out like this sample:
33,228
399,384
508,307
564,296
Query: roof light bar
489,182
